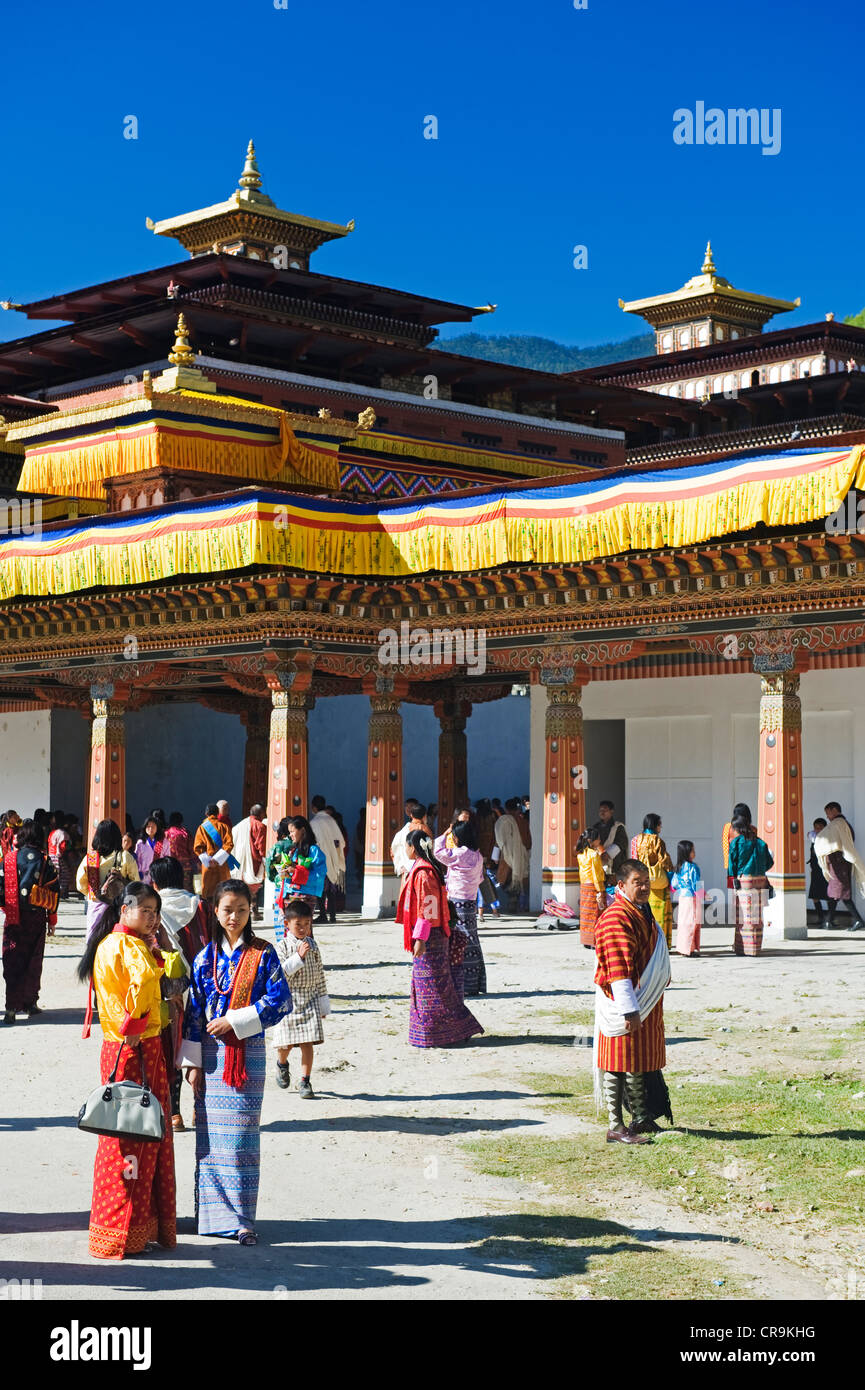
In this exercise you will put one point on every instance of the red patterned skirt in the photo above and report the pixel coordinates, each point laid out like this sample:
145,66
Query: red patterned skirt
588,913
646,1052
751,898
134,1191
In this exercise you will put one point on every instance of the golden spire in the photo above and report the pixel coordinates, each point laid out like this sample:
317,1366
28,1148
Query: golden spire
250,179
708,266
181,354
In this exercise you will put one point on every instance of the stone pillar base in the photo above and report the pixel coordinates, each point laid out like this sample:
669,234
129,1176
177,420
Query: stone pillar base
785,917
380,896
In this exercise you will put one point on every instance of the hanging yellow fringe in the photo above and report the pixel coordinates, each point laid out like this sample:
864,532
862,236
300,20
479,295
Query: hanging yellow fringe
234,439
544,526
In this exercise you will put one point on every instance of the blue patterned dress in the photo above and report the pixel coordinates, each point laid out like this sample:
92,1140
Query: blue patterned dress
227,1140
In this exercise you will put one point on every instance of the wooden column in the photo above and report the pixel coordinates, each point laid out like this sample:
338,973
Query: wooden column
256,758
288,766
107,794
384,798
453,755
564,791
87,715
779,804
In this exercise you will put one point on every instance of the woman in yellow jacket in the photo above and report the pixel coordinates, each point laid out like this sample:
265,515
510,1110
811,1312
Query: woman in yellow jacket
134,1192
650,849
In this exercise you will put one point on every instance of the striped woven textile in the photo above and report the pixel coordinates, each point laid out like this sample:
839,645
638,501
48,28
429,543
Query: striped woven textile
624,942
227,1141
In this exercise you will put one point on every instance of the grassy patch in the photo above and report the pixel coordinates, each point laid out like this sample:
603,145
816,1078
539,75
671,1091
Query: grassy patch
750,1142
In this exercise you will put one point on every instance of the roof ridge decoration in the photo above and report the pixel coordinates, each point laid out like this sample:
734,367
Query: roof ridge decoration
249,223
708,294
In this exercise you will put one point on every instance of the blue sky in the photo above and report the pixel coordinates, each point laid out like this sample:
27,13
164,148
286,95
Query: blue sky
555,129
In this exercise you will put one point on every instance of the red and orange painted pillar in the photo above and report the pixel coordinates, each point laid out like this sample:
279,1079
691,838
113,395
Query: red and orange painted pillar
288,765
384,795
453,758
564,791
780,812
107,790
256,759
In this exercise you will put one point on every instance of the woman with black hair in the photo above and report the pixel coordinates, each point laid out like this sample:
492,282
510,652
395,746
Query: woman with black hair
148,847
649,849
134,1193
458,849
185,923
237,990
437,1017
298,866
29,893
103,871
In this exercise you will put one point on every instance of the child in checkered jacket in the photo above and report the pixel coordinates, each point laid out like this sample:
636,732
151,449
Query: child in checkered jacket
301,964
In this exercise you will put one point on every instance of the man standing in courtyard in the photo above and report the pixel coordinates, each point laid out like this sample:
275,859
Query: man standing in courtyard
615,839
633,972
841,862
332,844
513,840
250,837
413,812
213,844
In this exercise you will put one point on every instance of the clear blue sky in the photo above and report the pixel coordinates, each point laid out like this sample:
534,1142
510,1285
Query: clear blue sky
555,129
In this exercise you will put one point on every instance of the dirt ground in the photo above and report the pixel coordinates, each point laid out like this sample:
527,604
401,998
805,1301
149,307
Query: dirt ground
368,1191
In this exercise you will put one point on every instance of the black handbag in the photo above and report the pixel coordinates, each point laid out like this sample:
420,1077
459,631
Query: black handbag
123,1109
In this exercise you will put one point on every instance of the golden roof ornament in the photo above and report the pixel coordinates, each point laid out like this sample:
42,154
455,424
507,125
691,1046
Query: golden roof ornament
366,418
705,301
181,355
249,224
183,375
250,179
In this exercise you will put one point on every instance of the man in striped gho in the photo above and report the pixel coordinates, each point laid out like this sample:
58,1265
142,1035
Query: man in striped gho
633,972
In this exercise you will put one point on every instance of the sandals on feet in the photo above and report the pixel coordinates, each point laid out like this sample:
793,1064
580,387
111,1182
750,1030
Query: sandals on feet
247,1238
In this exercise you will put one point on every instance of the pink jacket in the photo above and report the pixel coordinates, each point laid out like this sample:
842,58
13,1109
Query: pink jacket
465,869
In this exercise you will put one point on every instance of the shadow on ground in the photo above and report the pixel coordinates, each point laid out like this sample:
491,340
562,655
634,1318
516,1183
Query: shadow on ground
364,1253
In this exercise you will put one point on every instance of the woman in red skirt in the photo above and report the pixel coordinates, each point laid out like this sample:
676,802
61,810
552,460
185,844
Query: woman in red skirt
134,1193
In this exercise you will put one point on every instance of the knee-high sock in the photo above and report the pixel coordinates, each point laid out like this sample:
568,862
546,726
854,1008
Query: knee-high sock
614,1092
637,1103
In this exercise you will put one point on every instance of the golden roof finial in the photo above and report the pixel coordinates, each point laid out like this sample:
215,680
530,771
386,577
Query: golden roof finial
708,266
250,179
181,355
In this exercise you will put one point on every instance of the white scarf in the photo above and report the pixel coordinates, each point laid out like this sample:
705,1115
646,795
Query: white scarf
329,837
510,842
242,836
836,837
609,1018
612,850
177,911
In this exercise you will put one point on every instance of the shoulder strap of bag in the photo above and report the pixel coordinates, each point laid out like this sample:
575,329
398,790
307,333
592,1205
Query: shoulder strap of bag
113,1075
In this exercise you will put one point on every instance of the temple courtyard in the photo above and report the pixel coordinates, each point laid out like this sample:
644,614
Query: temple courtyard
482,1172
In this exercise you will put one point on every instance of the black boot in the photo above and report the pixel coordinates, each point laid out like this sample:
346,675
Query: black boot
641,1120
856,923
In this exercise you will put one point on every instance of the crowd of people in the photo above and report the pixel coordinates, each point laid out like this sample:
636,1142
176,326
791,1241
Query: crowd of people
183,985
